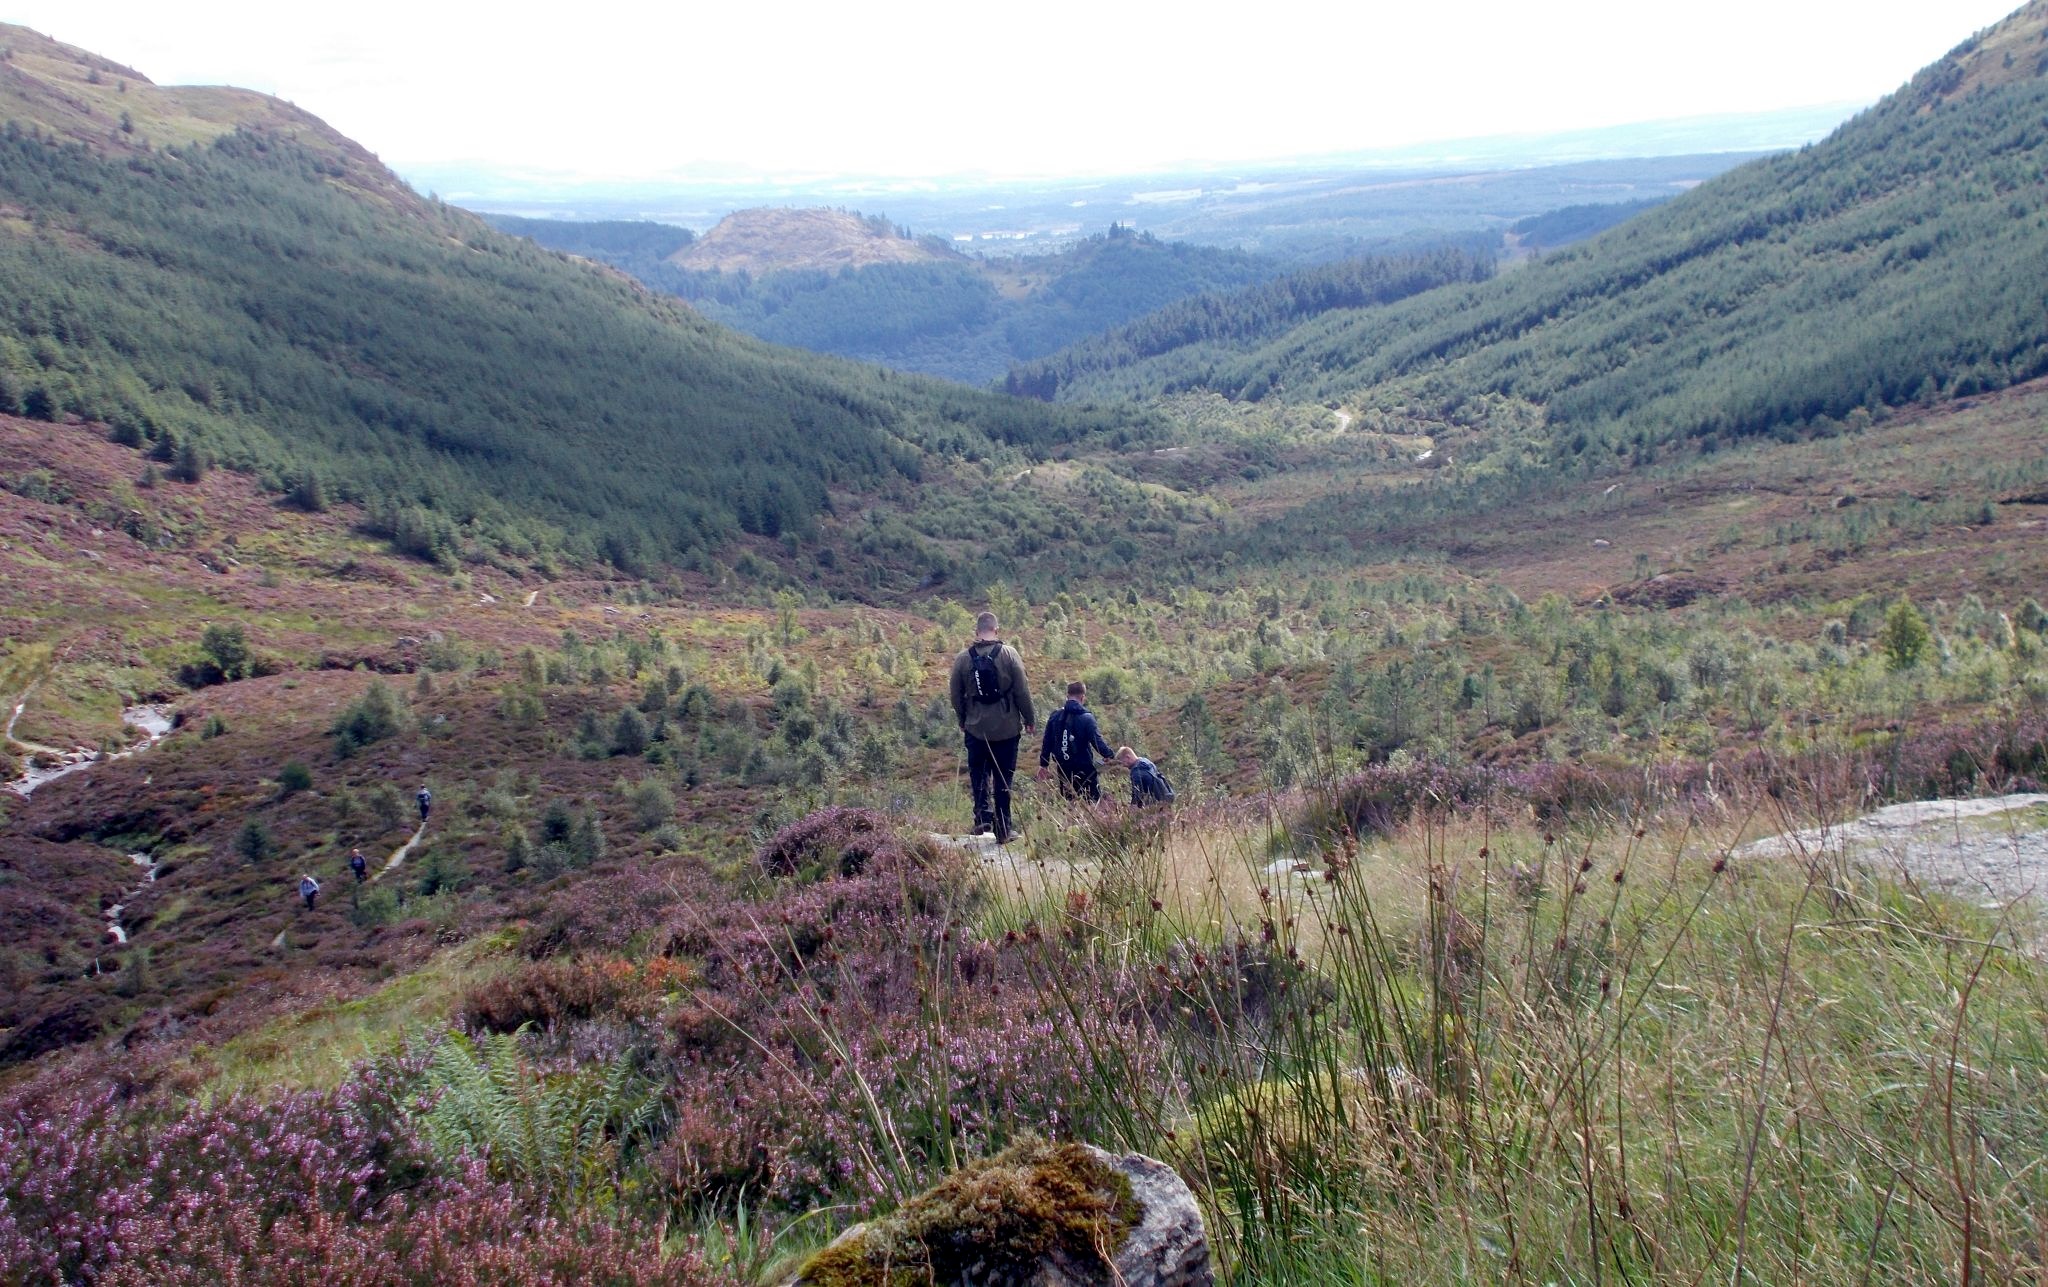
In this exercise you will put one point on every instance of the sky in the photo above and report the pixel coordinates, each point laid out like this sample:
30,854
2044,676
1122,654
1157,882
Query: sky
916,88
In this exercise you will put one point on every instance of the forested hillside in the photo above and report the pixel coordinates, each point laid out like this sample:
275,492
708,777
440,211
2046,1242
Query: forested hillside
614,241
1903,259
965,319
1182,345
255,302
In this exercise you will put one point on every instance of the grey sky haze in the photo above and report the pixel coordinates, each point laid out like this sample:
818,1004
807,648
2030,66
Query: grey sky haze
605,90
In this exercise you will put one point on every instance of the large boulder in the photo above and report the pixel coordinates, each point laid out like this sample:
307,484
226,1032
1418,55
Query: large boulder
1035,1215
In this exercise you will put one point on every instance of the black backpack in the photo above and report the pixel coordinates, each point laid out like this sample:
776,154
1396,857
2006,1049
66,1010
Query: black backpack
1152,788
985,677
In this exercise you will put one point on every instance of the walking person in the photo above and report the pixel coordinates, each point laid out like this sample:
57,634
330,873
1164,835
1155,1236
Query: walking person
426,800
1072,741
309,889
359,865
992,702
1148,784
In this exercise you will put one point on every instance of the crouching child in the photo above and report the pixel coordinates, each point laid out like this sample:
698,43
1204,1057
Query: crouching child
1148,784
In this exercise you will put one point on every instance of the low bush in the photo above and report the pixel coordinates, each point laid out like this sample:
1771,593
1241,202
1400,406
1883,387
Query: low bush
839,839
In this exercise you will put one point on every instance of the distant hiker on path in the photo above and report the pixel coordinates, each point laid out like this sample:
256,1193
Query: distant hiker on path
1072,741
992,701
426,799
359,865
1148,784
309,889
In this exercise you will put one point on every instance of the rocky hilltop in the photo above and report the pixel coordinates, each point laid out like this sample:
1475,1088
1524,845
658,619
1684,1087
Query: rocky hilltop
773,240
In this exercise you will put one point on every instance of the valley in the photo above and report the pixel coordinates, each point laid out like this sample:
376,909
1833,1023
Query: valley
1605,701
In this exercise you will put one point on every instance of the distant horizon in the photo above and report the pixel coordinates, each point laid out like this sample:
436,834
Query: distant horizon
932,92
1775,130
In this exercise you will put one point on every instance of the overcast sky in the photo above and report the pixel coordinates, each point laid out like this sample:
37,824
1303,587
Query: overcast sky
600,89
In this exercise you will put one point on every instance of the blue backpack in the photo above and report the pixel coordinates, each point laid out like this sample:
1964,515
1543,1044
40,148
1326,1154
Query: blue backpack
1149,785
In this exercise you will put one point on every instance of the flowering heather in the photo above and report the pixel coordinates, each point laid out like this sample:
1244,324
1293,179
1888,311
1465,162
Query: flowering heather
310,1188
853,1038
845,838
1939,760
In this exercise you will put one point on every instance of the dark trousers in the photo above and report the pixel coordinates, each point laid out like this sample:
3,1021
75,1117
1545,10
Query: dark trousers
991,768
1079,782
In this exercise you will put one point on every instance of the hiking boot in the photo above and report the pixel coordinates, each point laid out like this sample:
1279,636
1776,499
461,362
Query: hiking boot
1008,837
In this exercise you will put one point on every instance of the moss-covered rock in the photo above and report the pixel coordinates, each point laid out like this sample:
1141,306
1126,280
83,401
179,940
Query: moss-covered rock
1035,1213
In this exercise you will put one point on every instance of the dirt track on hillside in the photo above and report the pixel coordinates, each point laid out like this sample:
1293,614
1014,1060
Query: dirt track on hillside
1991,851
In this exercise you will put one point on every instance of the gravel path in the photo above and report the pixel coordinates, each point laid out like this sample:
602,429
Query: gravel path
1993,851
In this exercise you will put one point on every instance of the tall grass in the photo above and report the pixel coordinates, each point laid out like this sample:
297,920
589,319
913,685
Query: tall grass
1477,1049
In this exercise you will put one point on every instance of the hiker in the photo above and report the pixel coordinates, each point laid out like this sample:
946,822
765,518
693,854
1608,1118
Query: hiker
1073,741
426,799
309,889
359,865
1148,784
992,702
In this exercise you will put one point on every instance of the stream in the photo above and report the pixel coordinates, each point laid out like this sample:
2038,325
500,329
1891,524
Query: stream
115,929
153,722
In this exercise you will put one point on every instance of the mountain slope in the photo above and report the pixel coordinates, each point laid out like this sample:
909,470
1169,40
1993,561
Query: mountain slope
1179,347
1903,258
835,283
276,302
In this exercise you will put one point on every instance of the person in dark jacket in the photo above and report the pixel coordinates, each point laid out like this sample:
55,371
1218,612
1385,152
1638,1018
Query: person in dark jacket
992,702
425,798
1072,741
359,865
1148,784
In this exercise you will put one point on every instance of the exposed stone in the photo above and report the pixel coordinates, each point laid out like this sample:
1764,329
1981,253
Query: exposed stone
1051,1203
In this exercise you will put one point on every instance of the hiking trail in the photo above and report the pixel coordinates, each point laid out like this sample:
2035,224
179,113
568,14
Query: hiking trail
1992,850
392,863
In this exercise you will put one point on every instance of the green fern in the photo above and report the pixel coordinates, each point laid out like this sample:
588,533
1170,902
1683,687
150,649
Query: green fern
571,1136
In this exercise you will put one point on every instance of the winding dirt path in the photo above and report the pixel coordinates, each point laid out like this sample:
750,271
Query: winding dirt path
392,863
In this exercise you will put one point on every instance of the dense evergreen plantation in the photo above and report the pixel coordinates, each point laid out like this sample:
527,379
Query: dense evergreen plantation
963,319
1903,259
234,303
621,242
1182,345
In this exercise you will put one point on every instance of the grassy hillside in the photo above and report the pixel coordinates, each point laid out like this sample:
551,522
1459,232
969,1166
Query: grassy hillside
1901,260
246,300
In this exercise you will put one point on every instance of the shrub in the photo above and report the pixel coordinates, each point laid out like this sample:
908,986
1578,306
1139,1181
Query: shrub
293,778
336,1187
629,733
546,993
253,842
840,838
379,713
652,803
1906,638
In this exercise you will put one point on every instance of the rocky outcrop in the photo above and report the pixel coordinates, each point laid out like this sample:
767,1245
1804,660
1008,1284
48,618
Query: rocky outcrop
1035,1215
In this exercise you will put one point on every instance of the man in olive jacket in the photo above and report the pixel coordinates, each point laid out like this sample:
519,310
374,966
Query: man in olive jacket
992,701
